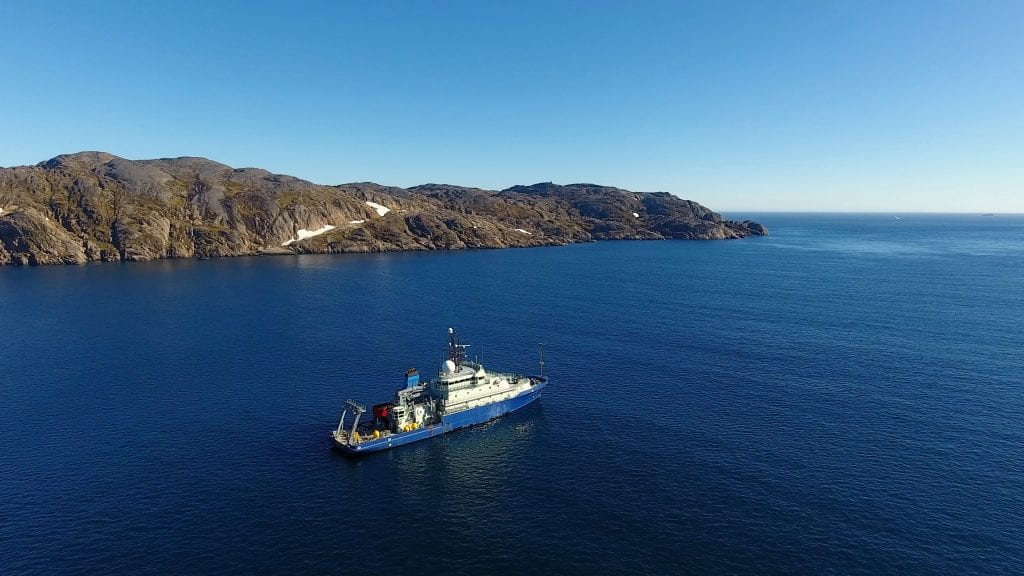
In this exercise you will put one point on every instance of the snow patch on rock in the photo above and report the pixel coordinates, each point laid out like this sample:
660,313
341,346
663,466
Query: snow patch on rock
524,231
302,234
381,210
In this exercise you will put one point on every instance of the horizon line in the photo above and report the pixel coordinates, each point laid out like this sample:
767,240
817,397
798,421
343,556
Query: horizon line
881,212
677,194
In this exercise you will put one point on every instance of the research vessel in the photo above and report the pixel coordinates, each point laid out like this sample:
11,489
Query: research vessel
463,393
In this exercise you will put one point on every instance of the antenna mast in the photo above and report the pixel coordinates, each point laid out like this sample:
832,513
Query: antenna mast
456,351
541,345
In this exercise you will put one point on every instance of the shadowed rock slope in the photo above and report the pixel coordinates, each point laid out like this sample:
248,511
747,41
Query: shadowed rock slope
89,206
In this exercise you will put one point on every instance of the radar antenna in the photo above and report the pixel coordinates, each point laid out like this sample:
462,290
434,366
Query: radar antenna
456,351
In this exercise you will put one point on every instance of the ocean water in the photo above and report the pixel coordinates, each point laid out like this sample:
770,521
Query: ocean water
845,396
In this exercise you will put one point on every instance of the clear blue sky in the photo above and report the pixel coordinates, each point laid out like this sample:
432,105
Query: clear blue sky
818,105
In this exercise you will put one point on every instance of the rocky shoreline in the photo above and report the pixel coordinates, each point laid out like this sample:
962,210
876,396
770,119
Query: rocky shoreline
94,206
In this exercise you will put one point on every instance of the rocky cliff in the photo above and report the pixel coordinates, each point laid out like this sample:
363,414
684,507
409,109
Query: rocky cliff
95,206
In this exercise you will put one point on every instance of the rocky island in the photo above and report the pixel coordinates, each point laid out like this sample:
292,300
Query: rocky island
89,206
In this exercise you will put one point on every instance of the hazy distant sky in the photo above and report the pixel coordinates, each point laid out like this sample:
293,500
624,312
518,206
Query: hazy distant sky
847,105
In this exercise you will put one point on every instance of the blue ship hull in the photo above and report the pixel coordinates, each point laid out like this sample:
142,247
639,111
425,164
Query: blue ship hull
449,422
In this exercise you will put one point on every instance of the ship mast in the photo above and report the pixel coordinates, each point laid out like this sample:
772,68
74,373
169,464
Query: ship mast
541,345
456,351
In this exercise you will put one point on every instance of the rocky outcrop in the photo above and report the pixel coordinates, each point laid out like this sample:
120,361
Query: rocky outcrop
29,237
95,206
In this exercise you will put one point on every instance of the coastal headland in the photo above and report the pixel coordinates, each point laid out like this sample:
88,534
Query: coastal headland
94,206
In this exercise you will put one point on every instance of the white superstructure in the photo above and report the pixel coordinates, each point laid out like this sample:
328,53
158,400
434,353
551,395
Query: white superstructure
470,385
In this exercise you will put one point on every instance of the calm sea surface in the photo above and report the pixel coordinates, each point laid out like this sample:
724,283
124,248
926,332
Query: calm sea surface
845,396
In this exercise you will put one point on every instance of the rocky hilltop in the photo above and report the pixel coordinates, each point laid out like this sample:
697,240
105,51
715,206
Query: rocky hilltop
89,206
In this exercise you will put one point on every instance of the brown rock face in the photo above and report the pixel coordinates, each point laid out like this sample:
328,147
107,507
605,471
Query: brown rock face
95,206
28,237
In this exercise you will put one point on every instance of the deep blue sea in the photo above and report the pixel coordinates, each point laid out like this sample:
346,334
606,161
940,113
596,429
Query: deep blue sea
845,396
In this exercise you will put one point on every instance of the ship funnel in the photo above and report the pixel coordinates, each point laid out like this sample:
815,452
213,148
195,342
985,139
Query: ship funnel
412,377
